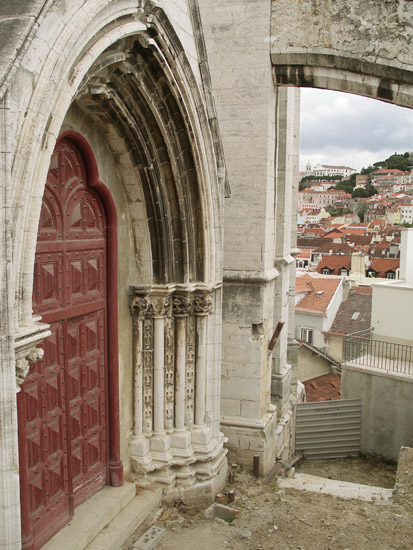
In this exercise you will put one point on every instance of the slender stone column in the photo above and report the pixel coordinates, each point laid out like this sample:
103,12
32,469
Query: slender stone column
182,308
139,307
159,303
202,307
159,307
181,305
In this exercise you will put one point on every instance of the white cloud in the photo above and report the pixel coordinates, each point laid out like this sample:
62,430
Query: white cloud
338,128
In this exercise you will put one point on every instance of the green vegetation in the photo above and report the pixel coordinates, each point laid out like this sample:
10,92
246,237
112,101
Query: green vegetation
361,210
396,161
336,211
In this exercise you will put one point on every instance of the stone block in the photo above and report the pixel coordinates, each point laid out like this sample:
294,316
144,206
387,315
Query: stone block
150,539
181,440
221,511
160,444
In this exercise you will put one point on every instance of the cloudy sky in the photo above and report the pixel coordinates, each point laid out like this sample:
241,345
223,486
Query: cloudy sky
350,130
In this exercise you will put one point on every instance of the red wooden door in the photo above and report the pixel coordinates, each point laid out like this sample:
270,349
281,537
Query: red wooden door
62,405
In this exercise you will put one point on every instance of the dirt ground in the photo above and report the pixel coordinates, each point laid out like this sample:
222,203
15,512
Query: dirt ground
271,518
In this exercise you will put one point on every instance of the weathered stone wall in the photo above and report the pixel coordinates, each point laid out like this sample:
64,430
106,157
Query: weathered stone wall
48,49
357,47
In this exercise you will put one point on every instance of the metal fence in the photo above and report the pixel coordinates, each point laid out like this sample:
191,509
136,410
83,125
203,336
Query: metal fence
380,355
329,429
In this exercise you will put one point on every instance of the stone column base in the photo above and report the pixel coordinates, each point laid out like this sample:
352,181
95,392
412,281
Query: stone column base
281,389
194,474
246,439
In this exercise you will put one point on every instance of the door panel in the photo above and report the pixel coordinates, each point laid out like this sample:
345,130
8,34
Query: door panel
63,400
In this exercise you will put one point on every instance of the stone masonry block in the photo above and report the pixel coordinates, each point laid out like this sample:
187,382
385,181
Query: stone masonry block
150,539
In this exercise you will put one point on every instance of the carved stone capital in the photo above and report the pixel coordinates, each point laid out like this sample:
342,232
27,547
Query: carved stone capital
26,352
202,304
23,360
181,305
139,307
159,305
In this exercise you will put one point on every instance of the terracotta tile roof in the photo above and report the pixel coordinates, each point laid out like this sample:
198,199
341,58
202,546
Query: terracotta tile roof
320,293
303,283
354,314
305,253
334,233
389,170
360,239
349,231
382,265
326,387
361,289
307,242
336,248
334,263
314,231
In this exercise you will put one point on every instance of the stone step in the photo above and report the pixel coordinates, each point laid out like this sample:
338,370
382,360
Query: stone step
100,512
130,518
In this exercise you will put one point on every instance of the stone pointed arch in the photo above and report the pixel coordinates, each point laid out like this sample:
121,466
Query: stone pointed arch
355,48
180,166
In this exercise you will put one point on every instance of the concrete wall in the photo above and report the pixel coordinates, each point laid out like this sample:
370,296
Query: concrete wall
392,302
391,314
311,364
387,412
335,347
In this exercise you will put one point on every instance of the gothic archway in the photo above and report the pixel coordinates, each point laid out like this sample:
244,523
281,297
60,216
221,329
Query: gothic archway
68,404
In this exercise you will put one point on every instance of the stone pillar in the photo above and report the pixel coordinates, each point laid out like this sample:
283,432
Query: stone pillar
202,305
182,308
246,106
139,444
288,113
159,301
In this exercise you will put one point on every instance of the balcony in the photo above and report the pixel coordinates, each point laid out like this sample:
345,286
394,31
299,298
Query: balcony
385,356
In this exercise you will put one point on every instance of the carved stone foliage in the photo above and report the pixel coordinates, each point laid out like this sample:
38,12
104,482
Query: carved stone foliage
190,370
202,304
177,309
159,305
147,353
169,372
181,305
139,307
24,358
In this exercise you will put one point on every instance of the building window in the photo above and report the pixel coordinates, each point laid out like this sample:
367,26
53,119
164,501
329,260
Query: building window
343,272
307,335
390,275
326,271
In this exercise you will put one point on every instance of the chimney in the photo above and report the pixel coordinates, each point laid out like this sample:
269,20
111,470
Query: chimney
358,263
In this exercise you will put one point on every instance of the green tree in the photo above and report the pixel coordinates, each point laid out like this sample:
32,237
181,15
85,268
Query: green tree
400,162
361,210
359,193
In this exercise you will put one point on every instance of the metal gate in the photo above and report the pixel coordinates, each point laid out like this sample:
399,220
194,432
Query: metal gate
329,429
